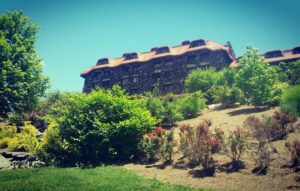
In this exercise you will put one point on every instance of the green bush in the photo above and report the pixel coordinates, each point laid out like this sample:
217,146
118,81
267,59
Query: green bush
290,72
103,126
191,105
25,140
290,101
228,95
8,131
4,142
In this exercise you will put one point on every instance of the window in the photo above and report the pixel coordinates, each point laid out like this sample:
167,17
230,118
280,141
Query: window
206,67
162,50
167,87
186,42
125,81
102,61
167,74
169,62
106,72
196,43
136,68
157,64
296,50
273,54
105,83
135,79
125,69
191,59
130,56
156,76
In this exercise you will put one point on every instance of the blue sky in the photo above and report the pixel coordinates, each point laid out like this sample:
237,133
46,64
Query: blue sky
75,33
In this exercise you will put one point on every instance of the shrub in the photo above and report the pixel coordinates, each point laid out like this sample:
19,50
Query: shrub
294,150
201,80
192,105
290,72
197,143
151,144
228,95
290,101
4,142
16,118
261,131
25,140
167,146
235,145
8,131
103,126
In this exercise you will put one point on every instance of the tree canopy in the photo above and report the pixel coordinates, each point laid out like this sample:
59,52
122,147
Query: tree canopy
21,78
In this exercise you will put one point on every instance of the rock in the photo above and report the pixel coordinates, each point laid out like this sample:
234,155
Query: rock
20,155
6,154
4,163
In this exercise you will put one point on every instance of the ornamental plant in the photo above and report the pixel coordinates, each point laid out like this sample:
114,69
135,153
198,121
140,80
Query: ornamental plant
197,143
235,145
166,149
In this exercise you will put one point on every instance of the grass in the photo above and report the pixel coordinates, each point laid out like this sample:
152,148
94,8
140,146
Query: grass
100,178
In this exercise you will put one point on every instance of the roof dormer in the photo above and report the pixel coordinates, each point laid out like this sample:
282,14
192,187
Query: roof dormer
162,50
130,56
186,42
103,61
296,50
153,49
196,43
273,54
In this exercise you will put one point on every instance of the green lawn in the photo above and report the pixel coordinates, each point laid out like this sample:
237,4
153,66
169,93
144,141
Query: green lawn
100,178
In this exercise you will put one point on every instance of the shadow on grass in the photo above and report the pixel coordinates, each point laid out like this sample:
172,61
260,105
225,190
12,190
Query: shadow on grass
248,111
232,167
207,172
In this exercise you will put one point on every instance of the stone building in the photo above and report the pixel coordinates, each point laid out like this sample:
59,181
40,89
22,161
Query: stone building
274,57
162,68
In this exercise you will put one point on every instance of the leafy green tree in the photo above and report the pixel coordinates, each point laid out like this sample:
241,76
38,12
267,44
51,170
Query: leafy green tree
192,105
256,79
21,78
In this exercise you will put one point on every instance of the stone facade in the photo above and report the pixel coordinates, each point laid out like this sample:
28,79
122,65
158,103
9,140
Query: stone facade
162,69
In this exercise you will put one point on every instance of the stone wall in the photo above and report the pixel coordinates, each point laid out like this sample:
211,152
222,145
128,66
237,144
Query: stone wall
165,74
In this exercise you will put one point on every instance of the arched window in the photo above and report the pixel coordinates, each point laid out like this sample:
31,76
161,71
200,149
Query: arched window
162,50
102,61
196,43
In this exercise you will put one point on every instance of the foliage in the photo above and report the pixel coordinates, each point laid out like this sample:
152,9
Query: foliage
4,142
228,95
69,179
290,72
235,145
16,118
191,105
21,78
196,143
8,131
227,77
261,131
255,78
290,101
151,144
25,140
168,143
103,126
201,80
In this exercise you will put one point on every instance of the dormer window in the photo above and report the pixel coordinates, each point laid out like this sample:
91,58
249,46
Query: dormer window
186,42
273,54
153,49
296,50
197,43
162,50
102,61
130,56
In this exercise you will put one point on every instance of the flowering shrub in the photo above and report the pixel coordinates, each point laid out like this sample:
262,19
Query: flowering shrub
235,145
151,143
197,143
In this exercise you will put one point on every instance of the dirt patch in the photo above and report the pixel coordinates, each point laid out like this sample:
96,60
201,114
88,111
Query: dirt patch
277,178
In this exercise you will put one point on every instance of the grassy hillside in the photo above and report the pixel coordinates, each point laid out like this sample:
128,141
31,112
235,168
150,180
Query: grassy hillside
100,178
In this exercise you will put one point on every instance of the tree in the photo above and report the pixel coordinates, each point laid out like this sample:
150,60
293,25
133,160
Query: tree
21,78
255,78
201,80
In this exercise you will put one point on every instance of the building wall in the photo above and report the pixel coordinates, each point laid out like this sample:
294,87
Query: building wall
165,74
